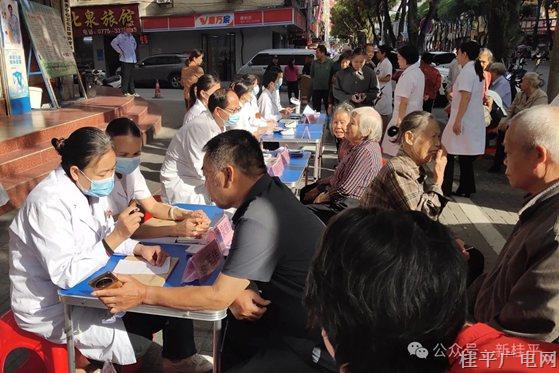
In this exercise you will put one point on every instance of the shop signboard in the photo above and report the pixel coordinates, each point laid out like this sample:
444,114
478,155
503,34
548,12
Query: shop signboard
214,20
104,20
13,62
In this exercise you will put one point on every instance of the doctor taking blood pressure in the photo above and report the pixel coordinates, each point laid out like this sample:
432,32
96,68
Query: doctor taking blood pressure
62,234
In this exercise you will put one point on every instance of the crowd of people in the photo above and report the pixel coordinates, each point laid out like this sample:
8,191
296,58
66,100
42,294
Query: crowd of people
355,275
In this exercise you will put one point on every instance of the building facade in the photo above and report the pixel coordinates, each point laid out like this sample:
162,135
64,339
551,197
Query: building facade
229,32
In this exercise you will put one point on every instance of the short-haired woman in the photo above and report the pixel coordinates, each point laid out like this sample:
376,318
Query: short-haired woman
356,84
356,171
190,74
268,102
464,134
402,184
408,94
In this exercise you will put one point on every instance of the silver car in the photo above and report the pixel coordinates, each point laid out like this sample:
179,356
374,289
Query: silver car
163,67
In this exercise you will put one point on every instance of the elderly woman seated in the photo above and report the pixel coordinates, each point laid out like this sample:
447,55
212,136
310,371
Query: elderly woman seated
338,127
357,169
530,95
402,183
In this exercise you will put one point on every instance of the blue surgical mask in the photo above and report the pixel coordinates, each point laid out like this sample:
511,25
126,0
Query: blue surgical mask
126,166
279,83
233,119
256,90
98,188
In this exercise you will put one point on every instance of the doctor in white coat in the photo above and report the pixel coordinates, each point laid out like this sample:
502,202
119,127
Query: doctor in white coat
464,134
268,102
131,187
205,87
182,180
384,71
248,120
408,94
63,233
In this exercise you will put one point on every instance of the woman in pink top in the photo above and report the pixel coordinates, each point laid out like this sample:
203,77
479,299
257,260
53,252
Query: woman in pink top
291,74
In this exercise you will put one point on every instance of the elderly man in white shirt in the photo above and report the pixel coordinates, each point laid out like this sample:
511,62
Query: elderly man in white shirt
125,45
182,180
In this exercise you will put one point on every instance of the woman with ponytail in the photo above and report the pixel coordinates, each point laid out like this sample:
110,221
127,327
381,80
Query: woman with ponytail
200,94
190,74
464,134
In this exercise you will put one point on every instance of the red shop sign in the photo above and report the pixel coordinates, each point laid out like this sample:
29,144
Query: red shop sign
104,20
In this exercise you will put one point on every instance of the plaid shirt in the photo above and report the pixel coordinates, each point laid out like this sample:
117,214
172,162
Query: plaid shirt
356,170
402,185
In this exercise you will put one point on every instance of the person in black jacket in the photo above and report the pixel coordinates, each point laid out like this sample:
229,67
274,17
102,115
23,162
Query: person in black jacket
357,84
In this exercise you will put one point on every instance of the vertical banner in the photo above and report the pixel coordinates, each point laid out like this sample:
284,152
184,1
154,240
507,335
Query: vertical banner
14,58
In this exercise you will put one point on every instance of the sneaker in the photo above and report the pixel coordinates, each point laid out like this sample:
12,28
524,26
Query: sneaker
193,364
127,94
135,94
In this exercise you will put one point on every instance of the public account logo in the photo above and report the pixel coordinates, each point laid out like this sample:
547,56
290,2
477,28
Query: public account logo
415,348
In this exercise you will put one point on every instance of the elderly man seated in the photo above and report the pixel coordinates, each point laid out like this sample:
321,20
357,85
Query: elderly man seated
263,278
388,289
521,294
402,184
531,95
356,170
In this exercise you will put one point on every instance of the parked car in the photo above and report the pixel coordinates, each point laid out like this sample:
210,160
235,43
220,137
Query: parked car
163,67
258,63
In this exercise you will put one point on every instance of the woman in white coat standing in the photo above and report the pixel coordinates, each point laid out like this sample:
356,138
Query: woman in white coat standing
384,75
63,233
408,96
464,134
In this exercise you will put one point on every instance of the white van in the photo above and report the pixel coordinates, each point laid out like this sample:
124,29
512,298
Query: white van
257,64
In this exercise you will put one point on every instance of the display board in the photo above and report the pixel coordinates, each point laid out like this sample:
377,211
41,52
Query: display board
50,42
14,73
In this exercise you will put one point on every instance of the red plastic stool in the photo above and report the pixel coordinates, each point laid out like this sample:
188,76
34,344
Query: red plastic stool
44,356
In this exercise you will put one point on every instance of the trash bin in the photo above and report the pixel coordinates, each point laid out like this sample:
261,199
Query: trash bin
36,97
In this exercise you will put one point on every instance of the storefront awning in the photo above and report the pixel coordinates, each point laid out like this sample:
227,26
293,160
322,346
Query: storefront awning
251,18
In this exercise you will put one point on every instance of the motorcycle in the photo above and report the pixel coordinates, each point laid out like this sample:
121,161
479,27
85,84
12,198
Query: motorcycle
516,72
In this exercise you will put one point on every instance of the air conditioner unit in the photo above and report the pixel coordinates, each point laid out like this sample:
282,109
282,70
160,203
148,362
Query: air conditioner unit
164,2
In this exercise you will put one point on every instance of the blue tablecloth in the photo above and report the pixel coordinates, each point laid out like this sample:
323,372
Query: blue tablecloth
315,132
214,213
174,279
294,170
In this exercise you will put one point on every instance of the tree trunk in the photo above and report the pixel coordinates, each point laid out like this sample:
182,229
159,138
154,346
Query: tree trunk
425,26
536,27
404,5
388,23
503,28
413,23
382,31
553,79
547,5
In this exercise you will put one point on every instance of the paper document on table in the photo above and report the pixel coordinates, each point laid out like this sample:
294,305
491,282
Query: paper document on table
140,267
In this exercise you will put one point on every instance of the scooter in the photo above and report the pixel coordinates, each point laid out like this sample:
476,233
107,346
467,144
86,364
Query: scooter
516,73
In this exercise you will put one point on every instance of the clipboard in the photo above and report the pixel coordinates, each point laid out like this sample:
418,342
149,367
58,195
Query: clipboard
154,280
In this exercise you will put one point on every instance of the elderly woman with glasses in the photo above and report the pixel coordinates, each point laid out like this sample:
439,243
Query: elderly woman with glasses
357,169
402,184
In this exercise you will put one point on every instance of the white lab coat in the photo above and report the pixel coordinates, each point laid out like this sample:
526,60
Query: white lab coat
127,188
472,139
411,85
182,180
247,119
384,104
55,242
268,107
196,109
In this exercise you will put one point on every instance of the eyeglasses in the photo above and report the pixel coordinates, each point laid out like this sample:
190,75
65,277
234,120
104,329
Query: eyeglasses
233,111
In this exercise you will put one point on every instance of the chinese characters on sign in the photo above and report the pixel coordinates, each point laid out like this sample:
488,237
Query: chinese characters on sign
470,356
104,20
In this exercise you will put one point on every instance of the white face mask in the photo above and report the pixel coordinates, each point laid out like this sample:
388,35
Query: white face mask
256,90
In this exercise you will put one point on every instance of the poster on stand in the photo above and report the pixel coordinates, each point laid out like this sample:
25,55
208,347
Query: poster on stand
13,63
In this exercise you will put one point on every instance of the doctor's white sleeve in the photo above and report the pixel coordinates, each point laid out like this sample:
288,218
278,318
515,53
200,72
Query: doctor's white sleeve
50,232
267,109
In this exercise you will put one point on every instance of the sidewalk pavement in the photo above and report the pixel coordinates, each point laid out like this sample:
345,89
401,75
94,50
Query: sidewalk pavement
485,220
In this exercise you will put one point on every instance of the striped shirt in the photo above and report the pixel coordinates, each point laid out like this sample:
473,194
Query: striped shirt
356,171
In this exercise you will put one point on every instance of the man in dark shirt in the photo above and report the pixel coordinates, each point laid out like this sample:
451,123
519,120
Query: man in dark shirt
263,279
